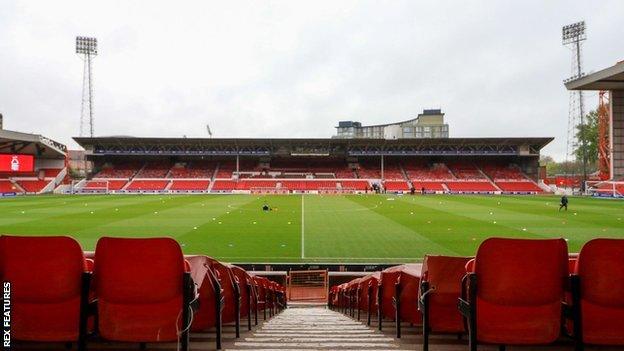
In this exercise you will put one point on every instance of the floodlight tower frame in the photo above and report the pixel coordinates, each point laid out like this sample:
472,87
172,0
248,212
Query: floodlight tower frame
573,36
86,48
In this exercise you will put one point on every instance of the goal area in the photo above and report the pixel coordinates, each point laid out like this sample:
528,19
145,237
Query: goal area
605,188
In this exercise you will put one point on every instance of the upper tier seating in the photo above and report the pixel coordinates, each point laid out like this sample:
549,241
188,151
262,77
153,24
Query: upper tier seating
45,298
193,169
512,311
148,185
156,169
440,288
519,186
466,170
119,170
143,291
189,185
33,186
598,290
503,172
7,187
419,172
468,186
51,172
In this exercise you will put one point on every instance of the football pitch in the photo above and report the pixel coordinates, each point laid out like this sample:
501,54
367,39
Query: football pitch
313,228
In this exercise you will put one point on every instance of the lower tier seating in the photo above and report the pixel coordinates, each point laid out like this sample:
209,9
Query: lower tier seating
33,186
396,185
519,187
428,186
112,184
7,187
470,186
189,185
149,185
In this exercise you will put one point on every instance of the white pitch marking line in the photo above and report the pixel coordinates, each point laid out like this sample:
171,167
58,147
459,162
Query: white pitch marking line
302,228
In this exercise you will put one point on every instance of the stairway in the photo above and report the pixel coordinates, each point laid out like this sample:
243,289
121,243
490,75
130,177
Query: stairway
315,328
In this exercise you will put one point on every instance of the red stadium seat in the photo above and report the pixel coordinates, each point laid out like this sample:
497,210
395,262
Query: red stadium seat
211,300
515,295
367,297
49,288
144,293
189,185
440,289
231,293
398,295
598,293
244,281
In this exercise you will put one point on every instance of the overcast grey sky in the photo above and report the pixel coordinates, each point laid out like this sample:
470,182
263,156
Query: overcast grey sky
295,68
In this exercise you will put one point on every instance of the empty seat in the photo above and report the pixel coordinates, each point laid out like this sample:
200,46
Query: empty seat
440,288
515,294
211,299
398,295
144,292
598,293
49,288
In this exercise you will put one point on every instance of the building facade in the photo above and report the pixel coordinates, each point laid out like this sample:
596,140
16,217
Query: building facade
429,124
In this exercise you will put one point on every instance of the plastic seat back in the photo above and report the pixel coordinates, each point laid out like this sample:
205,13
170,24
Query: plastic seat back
444,275
46,279
520,288
139,285
600,267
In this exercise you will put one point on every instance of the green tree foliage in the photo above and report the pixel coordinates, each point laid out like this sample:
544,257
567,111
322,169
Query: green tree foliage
587,139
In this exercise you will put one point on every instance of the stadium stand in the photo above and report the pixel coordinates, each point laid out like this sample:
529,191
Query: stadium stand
193,169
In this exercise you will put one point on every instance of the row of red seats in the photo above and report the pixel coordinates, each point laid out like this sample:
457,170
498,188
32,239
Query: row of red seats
128,290
513,292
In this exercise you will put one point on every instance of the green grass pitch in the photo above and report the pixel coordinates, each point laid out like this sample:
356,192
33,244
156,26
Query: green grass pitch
312,228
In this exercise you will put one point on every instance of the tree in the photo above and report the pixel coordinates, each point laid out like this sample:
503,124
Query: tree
587,140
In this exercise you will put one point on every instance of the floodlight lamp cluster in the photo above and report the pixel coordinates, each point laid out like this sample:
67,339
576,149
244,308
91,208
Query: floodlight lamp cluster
86,45
574,32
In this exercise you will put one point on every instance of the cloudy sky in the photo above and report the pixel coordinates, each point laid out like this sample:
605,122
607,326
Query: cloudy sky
295,68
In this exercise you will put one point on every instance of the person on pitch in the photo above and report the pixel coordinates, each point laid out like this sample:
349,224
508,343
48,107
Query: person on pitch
564,203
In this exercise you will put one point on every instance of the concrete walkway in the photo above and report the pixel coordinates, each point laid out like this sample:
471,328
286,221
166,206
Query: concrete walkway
315,328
